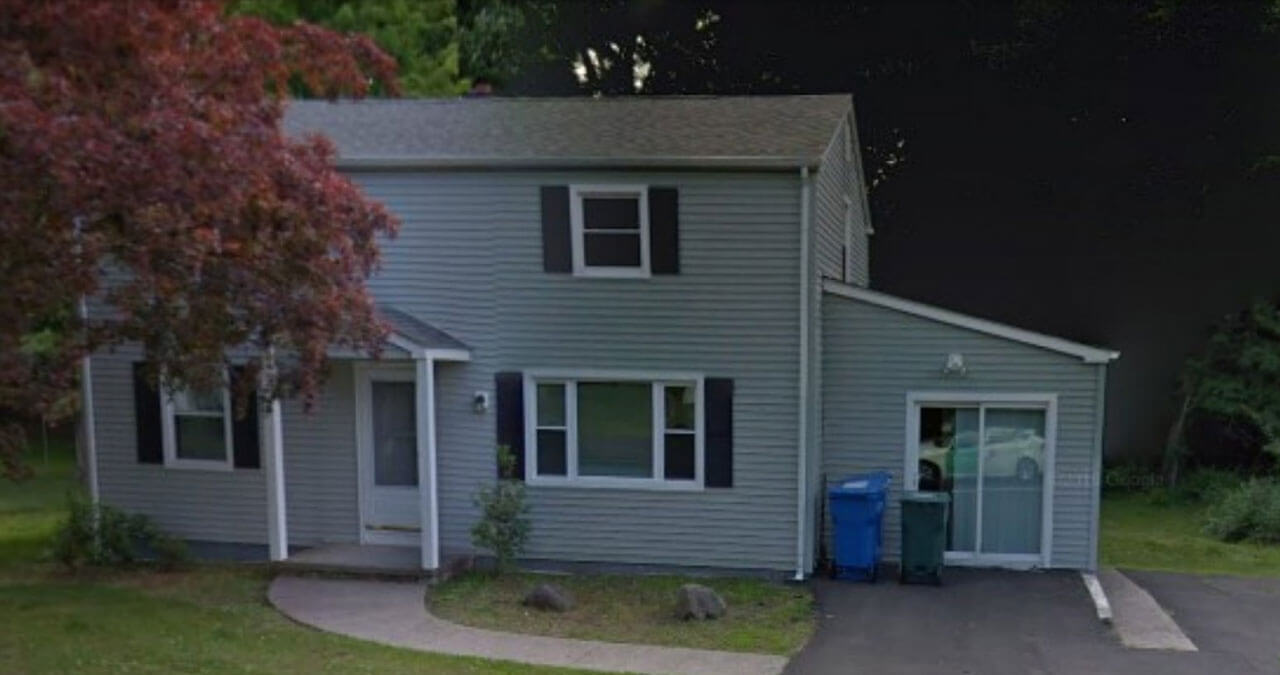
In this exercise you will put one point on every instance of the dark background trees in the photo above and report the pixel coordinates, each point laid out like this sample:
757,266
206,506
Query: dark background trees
1096,170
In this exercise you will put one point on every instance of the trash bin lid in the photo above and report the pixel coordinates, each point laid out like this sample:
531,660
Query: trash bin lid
927,497
873,483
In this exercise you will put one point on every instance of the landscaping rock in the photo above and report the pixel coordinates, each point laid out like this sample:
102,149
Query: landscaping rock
549,597
694,601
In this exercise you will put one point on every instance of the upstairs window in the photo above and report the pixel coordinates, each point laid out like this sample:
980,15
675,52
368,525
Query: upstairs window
610,230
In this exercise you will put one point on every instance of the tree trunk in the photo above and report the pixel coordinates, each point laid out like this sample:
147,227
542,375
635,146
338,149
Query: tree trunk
1175,446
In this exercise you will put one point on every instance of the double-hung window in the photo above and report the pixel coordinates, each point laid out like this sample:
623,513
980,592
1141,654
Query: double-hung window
614,431
196,428
610,230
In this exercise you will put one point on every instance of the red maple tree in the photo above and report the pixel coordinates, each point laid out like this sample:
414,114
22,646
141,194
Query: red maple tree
142,166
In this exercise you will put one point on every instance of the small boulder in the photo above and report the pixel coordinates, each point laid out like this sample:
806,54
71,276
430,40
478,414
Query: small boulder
548,597
694,601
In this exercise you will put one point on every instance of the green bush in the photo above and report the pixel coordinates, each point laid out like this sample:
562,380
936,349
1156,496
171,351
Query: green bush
1199,486
1251,511
118,539
503,527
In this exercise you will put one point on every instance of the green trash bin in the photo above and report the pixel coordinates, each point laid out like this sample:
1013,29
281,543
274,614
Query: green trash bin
924,536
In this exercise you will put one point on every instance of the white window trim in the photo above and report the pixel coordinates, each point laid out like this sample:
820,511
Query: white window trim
656,380
1034,401
580,268
170,442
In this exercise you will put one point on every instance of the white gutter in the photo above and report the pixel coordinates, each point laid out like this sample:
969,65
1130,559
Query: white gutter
802,501
89,435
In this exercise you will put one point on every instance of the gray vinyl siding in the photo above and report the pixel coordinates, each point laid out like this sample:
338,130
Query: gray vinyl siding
321,486
838,187
873,356
468,259
223,506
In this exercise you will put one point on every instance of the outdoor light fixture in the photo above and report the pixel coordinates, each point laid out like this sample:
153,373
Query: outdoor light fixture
480,401
955,365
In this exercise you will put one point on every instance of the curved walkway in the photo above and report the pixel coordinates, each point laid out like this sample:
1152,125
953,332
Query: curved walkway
394,613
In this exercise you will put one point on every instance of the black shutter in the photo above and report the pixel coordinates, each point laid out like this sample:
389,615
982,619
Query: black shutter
718,402
664,231
510,408
557,251
146,418
245,435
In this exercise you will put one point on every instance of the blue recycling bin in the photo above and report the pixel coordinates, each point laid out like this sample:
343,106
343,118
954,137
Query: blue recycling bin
857,510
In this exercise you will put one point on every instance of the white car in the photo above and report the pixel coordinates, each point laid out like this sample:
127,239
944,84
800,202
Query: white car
1010,453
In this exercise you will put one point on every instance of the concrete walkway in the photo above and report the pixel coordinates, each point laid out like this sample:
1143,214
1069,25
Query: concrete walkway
394,613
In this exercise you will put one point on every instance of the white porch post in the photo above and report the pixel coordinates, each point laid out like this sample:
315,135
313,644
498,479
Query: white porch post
425,388
273,463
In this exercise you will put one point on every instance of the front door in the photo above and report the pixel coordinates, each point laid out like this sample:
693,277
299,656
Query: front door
992,458
391,512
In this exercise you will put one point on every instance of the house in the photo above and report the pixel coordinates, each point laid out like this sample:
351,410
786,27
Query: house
663,306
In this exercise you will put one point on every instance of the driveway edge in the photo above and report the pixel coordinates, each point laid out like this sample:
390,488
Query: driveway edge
1100,602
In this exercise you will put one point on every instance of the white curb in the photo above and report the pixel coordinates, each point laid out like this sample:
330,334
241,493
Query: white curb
1100,602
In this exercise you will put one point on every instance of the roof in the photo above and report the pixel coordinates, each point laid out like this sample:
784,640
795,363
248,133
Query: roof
417,336
633,131
1087,353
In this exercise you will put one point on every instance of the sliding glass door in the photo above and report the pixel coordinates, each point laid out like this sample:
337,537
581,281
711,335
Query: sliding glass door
991,458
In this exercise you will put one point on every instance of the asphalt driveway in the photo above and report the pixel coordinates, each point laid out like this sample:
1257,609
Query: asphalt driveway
989,621
1229,616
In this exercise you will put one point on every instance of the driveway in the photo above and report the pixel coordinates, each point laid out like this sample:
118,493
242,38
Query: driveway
990,621
1222,615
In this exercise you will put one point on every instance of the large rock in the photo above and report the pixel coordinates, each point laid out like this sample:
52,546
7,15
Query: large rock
694,601
549,597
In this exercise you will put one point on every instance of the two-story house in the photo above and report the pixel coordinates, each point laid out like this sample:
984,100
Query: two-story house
662,305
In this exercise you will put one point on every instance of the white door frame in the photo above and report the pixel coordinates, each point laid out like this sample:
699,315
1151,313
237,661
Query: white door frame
1040,401
365,374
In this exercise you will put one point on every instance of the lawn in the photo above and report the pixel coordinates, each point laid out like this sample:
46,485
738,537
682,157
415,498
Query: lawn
1141,533
763,616
208,619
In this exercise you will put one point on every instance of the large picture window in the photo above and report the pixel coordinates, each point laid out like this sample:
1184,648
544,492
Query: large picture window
614,431
197,429
610,228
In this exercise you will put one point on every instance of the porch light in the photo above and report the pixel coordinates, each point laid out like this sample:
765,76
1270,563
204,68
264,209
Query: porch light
480,402
954,366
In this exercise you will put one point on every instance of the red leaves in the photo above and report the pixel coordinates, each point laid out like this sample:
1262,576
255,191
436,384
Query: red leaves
141,138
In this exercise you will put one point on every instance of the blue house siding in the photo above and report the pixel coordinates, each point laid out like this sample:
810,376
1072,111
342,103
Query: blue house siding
468,259
874,355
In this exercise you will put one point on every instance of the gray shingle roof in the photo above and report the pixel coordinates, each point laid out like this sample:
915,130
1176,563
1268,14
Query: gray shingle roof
417,331
747,131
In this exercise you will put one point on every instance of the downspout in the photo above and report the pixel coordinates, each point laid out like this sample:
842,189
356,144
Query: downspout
802,465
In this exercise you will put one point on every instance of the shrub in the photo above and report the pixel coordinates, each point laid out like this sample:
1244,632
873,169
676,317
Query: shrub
118,539
1199,486
1251,511
503,527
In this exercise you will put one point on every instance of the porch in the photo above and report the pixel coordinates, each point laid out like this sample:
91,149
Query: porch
360,559
378,514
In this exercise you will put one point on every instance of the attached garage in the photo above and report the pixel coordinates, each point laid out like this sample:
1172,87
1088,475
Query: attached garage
1007,421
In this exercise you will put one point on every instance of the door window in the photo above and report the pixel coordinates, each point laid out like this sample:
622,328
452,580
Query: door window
395,434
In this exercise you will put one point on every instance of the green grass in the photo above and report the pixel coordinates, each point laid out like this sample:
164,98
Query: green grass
763,616
1141,533
209,619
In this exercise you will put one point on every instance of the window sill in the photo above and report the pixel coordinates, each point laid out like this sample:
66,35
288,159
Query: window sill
611,273
602,483
199,465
